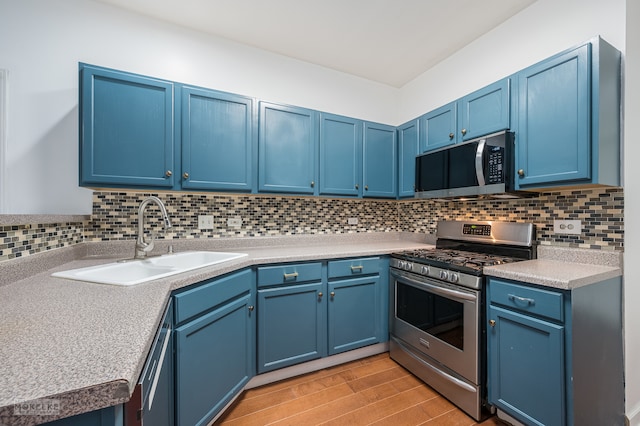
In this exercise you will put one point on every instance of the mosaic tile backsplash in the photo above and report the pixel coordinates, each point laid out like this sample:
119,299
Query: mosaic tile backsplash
115,218
24,240
601,212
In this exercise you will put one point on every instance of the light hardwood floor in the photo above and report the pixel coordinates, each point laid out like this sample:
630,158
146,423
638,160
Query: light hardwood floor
370,391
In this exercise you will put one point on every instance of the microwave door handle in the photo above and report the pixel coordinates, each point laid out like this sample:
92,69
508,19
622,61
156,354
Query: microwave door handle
479,165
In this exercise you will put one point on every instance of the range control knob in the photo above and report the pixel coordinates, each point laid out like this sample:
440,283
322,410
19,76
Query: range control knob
408,266
424,270
401,264
444,275
453,277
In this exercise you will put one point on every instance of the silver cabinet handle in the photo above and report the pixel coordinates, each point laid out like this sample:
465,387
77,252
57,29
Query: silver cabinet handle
290,276
357,268
526,300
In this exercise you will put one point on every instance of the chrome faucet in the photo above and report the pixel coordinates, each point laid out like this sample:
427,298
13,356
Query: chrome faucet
142,246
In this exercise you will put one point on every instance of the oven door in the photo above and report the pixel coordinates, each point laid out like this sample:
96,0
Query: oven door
438,319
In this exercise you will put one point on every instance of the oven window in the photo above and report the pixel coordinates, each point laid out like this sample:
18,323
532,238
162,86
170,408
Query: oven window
431,313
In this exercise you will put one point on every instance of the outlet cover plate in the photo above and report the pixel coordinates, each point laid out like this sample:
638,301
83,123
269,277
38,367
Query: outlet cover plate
205,222
567,227
234,222
352,221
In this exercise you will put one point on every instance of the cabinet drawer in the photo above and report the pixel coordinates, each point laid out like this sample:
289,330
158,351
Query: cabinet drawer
531,300
211,293
289,274
354,267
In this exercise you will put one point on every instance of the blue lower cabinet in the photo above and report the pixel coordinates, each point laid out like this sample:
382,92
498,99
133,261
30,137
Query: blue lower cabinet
214,352
353,319
527,367
555,356
291,325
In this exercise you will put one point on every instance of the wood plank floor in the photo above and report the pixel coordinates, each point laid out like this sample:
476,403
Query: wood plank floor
370,391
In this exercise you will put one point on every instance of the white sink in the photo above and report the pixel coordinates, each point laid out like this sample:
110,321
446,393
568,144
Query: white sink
139,271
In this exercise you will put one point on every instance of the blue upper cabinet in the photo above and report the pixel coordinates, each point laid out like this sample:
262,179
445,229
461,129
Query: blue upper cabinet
379,161
569,119
217,140
484,111
408,148
126,128
438,128
340,155
287,146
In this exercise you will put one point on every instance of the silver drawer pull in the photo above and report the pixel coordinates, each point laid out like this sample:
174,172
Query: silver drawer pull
357,268
291,276
526,300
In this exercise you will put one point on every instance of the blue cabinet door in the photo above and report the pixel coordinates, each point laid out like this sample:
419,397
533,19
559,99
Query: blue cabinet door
408,148
291,325
554,139
526,367
340,155
438,127
379,161
355,319
287,146
126,129
484,111
217,140
213,360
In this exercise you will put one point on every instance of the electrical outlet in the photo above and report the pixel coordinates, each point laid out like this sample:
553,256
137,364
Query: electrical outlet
567,226
234,222
352,221
205,222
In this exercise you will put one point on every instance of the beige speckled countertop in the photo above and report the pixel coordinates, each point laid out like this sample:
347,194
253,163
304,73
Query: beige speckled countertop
562,268
85,344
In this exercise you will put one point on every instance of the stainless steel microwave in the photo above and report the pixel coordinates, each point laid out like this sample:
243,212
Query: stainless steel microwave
478,168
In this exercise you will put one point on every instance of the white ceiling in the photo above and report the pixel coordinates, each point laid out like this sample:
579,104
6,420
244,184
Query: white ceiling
388,41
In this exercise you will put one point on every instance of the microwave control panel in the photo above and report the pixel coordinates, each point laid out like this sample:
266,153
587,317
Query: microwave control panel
496,165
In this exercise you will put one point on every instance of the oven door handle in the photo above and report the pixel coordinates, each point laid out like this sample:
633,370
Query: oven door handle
442,291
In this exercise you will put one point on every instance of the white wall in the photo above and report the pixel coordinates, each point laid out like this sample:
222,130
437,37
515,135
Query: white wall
632,212
539,31
42,42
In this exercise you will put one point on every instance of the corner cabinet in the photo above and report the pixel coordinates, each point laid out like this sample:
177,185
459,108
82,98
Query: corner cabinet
214,348
126,129
544,367
217,140
379,161
408,149
340,155
569,119
287,149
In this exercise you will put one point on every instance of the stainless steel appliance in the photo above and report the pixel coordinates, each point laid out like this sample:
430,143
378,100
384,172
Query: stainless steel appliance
152,399
437,303
478,168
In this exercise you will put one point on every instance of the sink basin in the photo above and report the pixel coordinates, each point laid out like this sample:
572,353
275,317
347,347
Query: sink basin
139,271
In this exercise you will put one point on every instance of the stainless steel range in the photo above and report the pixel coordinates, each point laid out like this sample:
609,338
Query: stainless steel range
437,300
